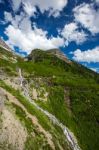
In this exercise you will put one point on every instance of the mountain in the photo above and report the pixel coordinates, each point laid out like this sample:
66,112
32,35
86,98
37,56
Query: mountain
59,54
40,54
47,102
4,45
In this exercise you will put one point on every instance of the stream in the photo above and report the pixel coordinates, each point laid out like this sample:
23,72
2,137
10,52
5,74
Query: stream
72,141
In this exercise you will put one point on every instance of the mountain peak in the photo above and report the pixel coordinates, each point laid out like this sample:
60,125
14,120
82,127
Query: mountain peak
59,54
55,51
38,54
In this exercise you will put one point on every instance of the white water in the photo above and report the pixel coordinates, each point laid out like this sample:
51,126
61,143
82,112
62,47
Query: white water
69,135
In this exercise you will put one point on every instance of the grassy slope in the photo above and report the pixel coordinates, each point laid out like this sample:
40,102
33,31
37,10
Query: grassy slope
83,93
38,141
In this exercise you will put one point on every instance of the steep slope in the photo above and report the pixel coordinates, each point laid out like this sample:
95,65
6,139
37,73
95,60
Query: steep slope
4,45
59,54
52,98
38,54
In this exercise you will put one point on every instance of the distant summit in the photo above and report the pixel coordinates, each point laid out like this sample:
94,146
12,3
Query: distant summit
4,45
56,51
39,55
59,54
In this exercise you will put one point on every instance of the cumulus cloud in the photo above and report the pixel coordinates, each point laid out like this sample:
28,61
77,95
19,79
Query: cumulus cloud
8,17
32,37
16,20
25,35
21,21
53,6
29,9
71,33
96,1
88,16
28,41
91,55
15,4
95,69
21,27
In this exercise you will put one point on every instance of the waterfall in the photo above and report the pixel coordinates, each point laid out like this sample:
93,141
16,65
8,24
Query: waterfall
72,141
20,78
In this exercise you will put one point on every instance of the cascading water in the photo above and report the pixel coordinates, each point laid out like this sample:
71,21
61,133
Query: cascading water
69,135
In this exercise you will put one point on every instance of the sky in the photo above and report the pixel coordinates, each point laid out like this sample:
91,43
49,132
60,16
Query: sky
70,25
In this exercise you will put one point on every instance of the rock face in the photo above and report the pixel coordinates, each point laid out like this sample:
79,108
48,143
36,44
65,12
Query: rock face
59,54
4,45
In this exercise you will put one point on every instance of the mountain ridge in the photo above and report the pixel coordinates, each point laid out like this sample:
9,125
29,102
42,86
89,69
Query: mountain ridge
42,94
52,52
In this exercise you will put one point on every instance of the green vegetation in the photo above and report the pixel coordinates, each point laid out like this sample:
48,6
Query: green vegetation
85,107
82,116
30,108
34,139
55,131
36,143
23,117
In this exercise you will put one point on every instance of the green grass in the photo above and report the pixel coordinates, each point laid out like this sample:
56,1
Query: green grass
36,144
83,85
23,118
30,108
84,119
55,131
33,142
85,106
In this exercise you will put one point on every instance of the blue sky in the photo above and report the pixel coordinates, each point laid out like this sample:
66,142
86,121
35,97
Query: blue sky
71,25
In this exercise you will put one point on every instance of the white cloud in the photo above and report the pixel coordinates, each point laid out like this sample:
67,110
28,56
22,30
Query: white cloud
8,17
21,21
91,55
88,16
15,4
97,1
16,20
27,41
37,38
57,41
95,69
29,9
71,33
29,6
21,34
